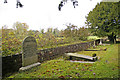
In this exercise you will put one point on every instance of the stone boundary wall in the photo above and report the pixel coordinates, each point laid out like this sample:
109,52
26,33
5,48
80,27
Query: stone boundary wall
49,54
11,64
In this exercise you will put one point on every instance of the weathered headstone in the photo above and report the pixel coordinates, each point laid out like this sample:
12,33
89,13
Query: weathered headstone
94,45
29,56
100,42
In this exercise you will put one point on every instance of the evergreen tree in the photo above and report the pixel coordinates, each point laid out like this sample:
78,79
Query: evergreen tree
104,20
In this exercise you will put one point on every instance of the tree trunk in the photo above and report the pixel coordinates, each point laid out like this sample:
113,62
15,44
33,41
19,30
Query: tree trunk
115,39
112,38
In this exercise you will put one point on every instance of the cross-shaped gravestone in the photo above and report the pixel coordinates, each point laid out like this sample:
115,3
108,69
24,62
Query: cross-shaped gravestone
29,56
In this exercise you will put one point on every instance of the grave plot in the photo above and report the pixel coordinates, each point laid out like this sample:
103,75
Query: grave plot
81,58
88,55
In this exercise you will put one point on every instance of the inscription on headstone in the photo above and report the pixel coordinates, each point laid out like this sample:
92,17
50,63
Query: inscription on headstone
29,55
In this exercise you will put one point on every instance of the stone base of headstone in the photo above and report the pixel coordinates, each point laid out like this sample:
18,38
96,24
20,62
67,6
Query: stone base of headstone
30,60
29,66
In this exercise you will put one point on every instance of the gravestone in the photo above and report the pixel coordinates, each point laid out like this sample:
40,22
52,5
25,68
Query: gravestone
100,42
94,45
29,56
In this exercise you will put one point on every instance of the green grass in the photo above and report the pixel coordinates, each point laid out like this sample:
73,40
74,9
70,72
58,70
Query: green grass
105,67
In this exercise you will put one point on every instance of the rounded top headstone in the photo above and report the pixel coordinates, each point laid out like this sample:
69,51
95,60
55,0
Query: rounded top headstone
29,46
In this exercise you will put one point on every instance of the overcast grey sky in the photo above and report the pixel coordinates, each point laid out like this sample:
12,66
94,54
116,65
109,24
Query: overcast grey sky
43,14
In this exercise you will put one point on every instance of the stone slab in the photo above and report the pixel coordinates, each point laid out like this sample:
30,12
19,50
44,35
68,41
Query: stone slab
82,61
29,66
80,55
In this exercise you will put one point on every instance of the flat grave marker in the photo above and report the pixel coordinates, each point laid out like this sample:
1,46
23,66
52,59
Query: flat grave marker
81,56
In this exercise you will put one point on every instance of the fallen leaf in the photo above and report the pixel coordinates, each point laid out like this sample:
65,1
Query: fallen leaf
83,69
113,69
26,73
61,77
47,71
52,71
44,73
56,69
93,73
68,76
61,71
39,75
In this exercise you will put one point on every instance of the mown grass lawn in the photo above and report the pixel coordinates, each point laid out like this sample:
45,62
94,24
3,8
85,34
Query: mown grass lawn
105,67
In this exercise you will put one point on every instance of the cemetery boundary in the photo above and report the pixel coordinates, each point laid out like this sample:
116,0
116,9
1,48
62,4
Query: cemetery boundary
11,64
